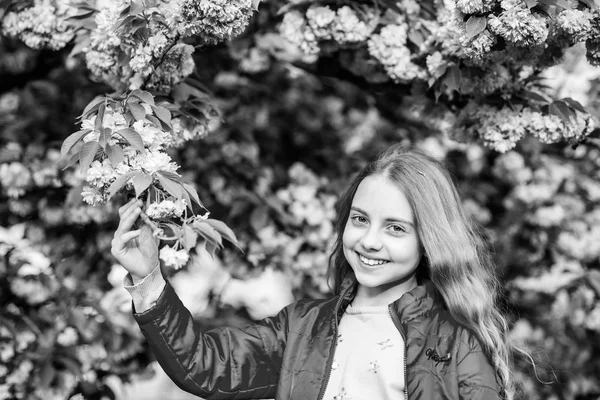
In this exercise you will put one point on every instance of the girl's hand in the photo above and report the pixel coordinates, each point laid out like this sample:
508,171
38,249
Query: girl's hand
136,250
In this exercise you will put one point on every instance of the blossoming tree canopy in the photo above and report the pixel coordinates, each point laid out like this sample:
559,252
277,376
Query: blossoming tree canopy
283,104
122,143
468,53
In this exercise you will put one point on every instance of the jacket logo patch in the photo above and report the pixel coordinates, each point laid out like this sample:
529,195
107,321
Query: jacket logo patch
433,355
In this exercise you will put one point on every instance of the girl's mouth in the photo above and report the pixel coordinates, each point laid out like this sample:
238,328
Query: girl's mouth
370,261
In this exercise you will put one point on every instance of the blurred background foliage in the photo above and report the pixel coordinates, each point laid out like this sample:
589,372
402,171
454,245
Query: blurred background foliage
292,101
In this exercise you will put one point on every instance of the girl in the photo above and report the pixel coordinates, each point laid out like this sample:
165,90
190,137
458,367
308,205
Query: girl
413,317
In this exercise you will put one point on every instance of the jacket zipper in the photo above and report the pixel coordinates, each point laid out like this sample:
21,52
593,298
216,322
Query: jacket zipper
403,334
333,346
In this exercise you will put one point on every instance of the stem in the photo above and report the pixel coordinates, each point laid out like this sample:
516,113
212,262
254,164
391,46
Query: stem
168,47
156,231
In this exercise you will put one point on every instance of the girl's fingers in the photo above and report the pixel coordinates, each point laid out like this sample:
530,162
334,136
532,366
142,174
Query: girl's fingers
128,219
126,237
119,242
126,206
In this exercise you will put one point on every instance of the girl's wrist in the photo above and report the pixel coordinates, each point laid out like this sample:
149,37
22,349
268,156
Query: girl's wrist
139,278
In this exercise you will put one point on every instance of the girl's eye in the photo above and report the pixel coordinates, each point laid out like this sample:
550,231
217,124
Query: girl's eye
359,219
397,229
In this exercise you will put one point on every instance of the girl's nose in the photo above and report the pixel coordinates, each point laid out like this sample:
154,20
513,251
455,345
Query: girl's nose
371,240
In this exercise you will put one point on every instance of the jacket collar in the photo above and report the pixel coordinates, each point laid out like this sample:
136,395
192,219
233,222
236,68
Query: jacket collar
421,300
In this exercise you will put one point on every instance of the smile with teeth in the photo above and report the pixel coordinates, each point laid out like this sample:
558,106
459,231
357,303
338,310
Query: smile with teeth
370,261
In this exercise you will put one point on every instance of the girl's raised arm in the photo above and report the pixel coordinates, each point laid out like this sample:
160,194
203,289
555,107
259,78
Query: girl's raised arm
223,363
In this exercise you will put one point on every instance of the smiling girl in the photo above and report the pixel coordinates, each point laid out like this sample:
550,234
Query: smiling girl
413,315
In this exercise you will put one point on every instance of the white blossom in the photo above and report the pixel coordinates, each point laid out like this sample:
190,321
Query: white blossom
519,27
174,258
320,20
166,209
388,47
42,26
348,28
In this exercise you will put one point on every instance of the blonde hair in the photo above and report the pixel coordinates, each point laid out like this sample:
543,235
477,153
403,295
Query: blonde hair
456,258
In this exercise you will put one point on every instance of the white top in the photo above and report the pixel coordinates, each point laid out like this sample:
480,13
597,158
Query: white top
368,363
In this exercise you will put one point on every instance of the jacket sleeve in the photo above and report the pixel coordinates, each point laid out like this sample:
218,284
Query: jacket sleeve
223,363
477,377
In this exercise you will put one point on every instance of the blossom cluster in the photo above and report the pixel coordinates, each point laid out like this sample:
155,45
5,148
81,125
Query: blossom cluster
592,44
147,157
39,317
33,282
520,27
557,199
343,26
156,58
517,25
389,48
215,20
501,129
43,25
18,175
305,252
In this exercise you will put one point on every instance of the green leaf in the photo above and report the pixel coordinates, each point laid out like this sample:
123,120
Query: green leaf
133,138
74,158
163,114
154,120
138,111
475,25
210,247
46,374
118,184
100,118
591,4
81,15
223,230
453,78
146,97
173,188
574,104
170,175
531,3
207,232
255,4
92,106
416,37
192,192
115,154
561,110
534,96
141,182
183,91
72,140
259,218
87,154
593,277
105,136
558,3
72,364
189,237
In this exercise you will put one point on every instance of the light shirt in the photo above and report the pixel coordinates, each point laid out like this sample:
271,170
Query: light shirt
368,363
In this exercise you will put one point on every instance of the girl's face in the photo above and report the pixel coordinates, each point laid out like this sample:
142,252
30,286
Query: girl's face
380,242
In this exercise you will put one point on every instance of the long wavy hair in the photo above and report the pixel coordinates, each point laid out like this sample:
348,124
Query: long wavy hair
456,258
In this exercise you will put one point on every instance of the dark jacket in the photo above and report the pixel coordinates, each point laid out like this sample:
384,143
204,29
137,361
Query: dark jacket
289,356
